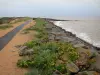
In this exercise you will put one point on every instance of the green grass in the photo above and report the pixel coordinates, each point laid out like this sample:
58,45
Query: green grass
47,53
39,26
5,26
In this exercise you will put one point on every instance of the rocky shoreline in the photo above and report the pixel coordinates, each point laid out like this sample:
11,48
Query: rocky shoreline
73,36
59,34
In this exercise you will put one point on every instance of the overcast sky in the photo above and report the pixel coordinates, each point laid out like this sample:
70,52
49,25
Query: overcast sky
50,8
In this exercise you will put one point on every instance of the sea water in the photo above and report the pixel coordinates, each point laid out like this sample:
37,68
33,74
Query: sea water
87,30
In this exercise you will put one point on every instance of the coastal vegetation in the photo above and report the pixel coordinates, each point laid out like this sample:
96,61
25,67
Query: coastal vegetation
5,26
6,22
52,57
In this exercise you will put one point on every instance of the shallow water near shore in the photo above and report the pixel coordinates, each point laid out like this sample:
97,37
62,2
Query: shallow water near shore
87,30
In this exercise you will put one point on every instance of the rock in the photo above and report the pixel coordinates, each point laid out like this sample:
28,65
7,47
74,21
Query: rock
67,39
96,65
21,53
29,52
24,32
50,26
72,67
56,73
98,52
13,50
88,73
82,60
56,29
70,34
97,48
85,47
94,52
57,38
77,42
78,45
88,52
26,52
58,33
18,46
51,37
23,48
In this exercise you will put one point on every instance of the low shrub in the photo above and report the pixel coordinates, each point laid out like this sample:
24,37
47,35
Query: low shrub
73,55
52,46
33,43
33,72
61,68
45,59
24,63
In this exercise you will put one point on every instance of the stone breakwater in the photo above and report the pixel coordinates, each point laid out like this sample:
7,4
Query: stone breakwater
56,33
63,35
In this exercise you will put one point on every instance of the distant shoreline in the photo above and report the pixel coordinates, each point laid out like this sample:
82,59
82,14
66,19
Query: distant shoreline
51,19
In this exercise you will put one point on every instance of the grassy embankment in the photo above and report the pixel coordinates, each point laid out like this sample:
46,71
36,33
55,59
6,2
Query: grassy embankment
6,22
49,56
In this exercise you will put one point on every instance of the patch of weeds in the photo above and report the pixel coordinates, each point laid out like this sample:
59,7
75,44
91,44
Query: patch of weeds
33,72
71,51
45,62
5,26
93,55
25,31
45,59
33,43
40,35
24,63
91,61
73,55
61,68
52,46
39,26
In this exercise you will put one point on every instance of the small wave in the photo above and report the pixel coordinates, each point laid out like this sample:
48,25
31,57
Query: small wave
58,23
85,37
97,44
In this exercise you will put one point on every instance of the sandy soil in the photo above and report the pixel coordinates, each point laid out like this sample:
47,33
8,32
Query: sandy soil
9,54
3,32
